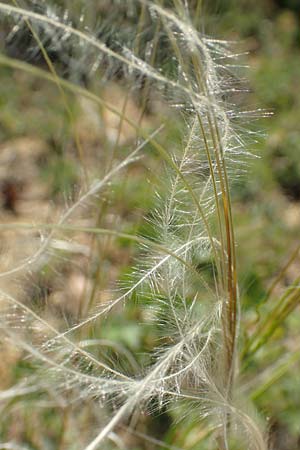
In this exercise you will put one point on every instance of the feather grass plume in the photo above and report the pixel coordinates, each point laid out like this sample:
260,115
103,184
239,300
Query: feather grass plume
186,277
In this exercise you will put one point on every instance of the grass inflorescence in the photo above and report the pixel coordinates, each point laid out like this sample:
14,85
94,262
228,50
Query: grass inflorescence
153,325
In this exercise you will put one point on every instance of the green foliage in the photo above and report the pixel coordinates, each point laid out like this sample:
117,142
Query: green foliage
61,175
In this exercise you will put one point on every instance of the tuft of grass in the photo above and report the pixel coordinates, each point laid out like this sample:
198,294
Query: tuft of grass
153,328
